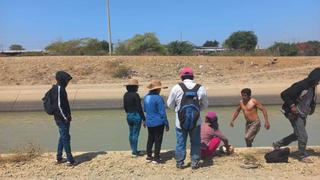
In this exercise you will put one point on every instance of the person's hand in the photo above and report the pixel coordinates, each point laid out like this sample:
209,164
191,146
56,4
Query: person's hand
294,109
144,124
267,125
167,128
231,124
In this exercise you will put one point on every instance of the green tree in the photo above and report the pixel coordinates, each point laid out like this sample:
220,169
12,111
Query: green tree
284,49
16,47
242,40
83,46
214,43
180,48
140,44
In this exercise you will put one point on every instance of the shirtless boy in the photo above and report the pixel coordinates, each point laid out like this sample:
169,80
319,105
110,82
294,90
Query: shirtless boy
249,107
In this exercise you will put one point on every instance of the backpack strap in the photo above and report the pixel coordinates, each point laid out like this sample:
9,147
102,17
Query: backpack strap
196,87
184,87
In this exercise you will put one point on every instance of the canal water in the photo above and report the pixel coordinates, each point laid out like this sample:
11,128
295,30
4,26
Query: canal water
105,130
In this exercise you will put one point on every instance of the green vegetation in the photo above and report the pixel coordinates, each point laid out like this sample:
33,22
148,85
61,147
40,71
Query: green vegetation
180,48
16,47
214,43
84,46
242,40
141,44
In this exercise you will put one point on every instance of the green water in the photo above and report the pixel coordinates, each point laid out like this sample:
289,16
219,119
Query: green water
102,130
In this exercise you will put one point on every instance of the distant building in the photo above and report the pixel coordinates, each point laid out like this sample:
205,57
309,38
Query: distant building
208,50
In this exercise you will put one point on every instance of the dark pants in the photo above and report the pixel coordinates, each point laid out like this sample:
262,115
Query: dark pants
155,135
299,133
64,140
134,122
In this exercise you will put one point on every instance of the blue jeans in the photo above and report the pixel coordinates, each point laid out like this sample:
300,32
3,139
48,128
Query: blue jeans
64,140
181,145
134,122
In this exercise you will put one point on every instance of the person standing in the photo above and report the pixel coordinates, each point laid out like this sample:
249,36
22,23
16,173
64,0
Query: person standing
187,99
156,119
62,116
135,115
299,102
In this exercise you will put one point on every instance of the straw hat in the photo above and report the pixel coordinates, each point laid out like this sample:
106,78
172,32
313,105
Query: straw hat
132,82
155,84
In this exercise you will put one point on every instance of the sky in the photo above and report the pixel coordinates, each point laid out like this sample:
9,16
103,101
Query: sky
36,23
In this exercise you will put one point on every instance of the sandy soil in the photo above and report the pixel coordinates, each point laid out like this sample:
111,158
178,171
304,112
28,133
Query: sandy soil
100,69
120,165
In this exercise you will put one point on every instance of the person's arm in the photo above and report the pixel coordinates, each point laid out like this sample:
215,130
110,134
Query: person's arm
62,98
264,111
235,115
140,110
124,103
225,141
204,103
171,102
290,95
162,112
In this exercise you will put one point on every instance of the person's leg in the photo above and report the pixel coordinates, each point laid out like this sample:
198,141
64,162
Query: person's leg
213,145
290,138
211,148
195,146
131,132
66,140
135,134
158,141
150,141
252,130
302,136
180,153
60,144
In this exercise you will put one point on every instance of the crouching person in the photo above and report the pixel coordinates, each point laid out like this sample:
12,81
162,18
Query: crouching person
62,116
211,136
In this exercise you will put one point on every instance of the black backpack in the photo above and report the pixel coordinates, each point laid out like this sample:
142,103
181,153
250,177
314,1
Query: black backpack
48,102
189,111
278,156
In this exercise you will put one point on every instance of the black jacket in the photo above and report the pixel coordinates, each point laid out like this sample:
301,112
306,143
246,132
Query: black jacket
290,95
132,103
60,97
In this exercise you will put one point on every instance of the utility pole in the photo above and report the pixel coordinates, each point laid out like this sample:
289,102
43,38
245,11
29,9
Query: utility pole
109,28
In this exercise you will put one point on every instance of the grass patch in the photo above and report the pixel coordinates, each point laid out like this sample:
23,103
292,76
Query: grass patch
119,70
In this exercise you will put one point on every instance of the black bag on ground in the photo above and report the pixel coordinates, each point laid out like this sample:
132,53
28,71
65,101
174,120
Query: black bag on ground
48,102
278,156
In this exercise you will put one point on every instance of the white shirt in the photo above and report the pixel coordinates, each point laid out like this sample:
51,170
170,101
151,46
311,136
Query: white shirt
175,97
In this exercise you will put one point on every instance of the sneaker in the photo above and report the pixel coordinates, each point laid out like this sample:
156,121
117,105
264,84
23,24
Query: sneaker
139,153
276,146
149,159
71,163
306,160
179,166
195,166
134,155
156,161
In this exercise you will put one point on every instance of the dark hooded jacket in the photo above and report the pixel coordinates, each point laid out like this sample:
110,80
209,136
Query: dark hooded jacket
60,97
290,95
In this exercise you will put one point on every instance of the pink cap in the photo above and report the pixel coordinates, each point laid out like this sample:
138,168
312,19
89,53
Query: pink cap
211,115
186,71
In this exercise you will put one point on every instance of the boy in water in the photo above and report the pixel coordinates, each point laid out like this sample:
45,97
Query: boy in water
249,107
